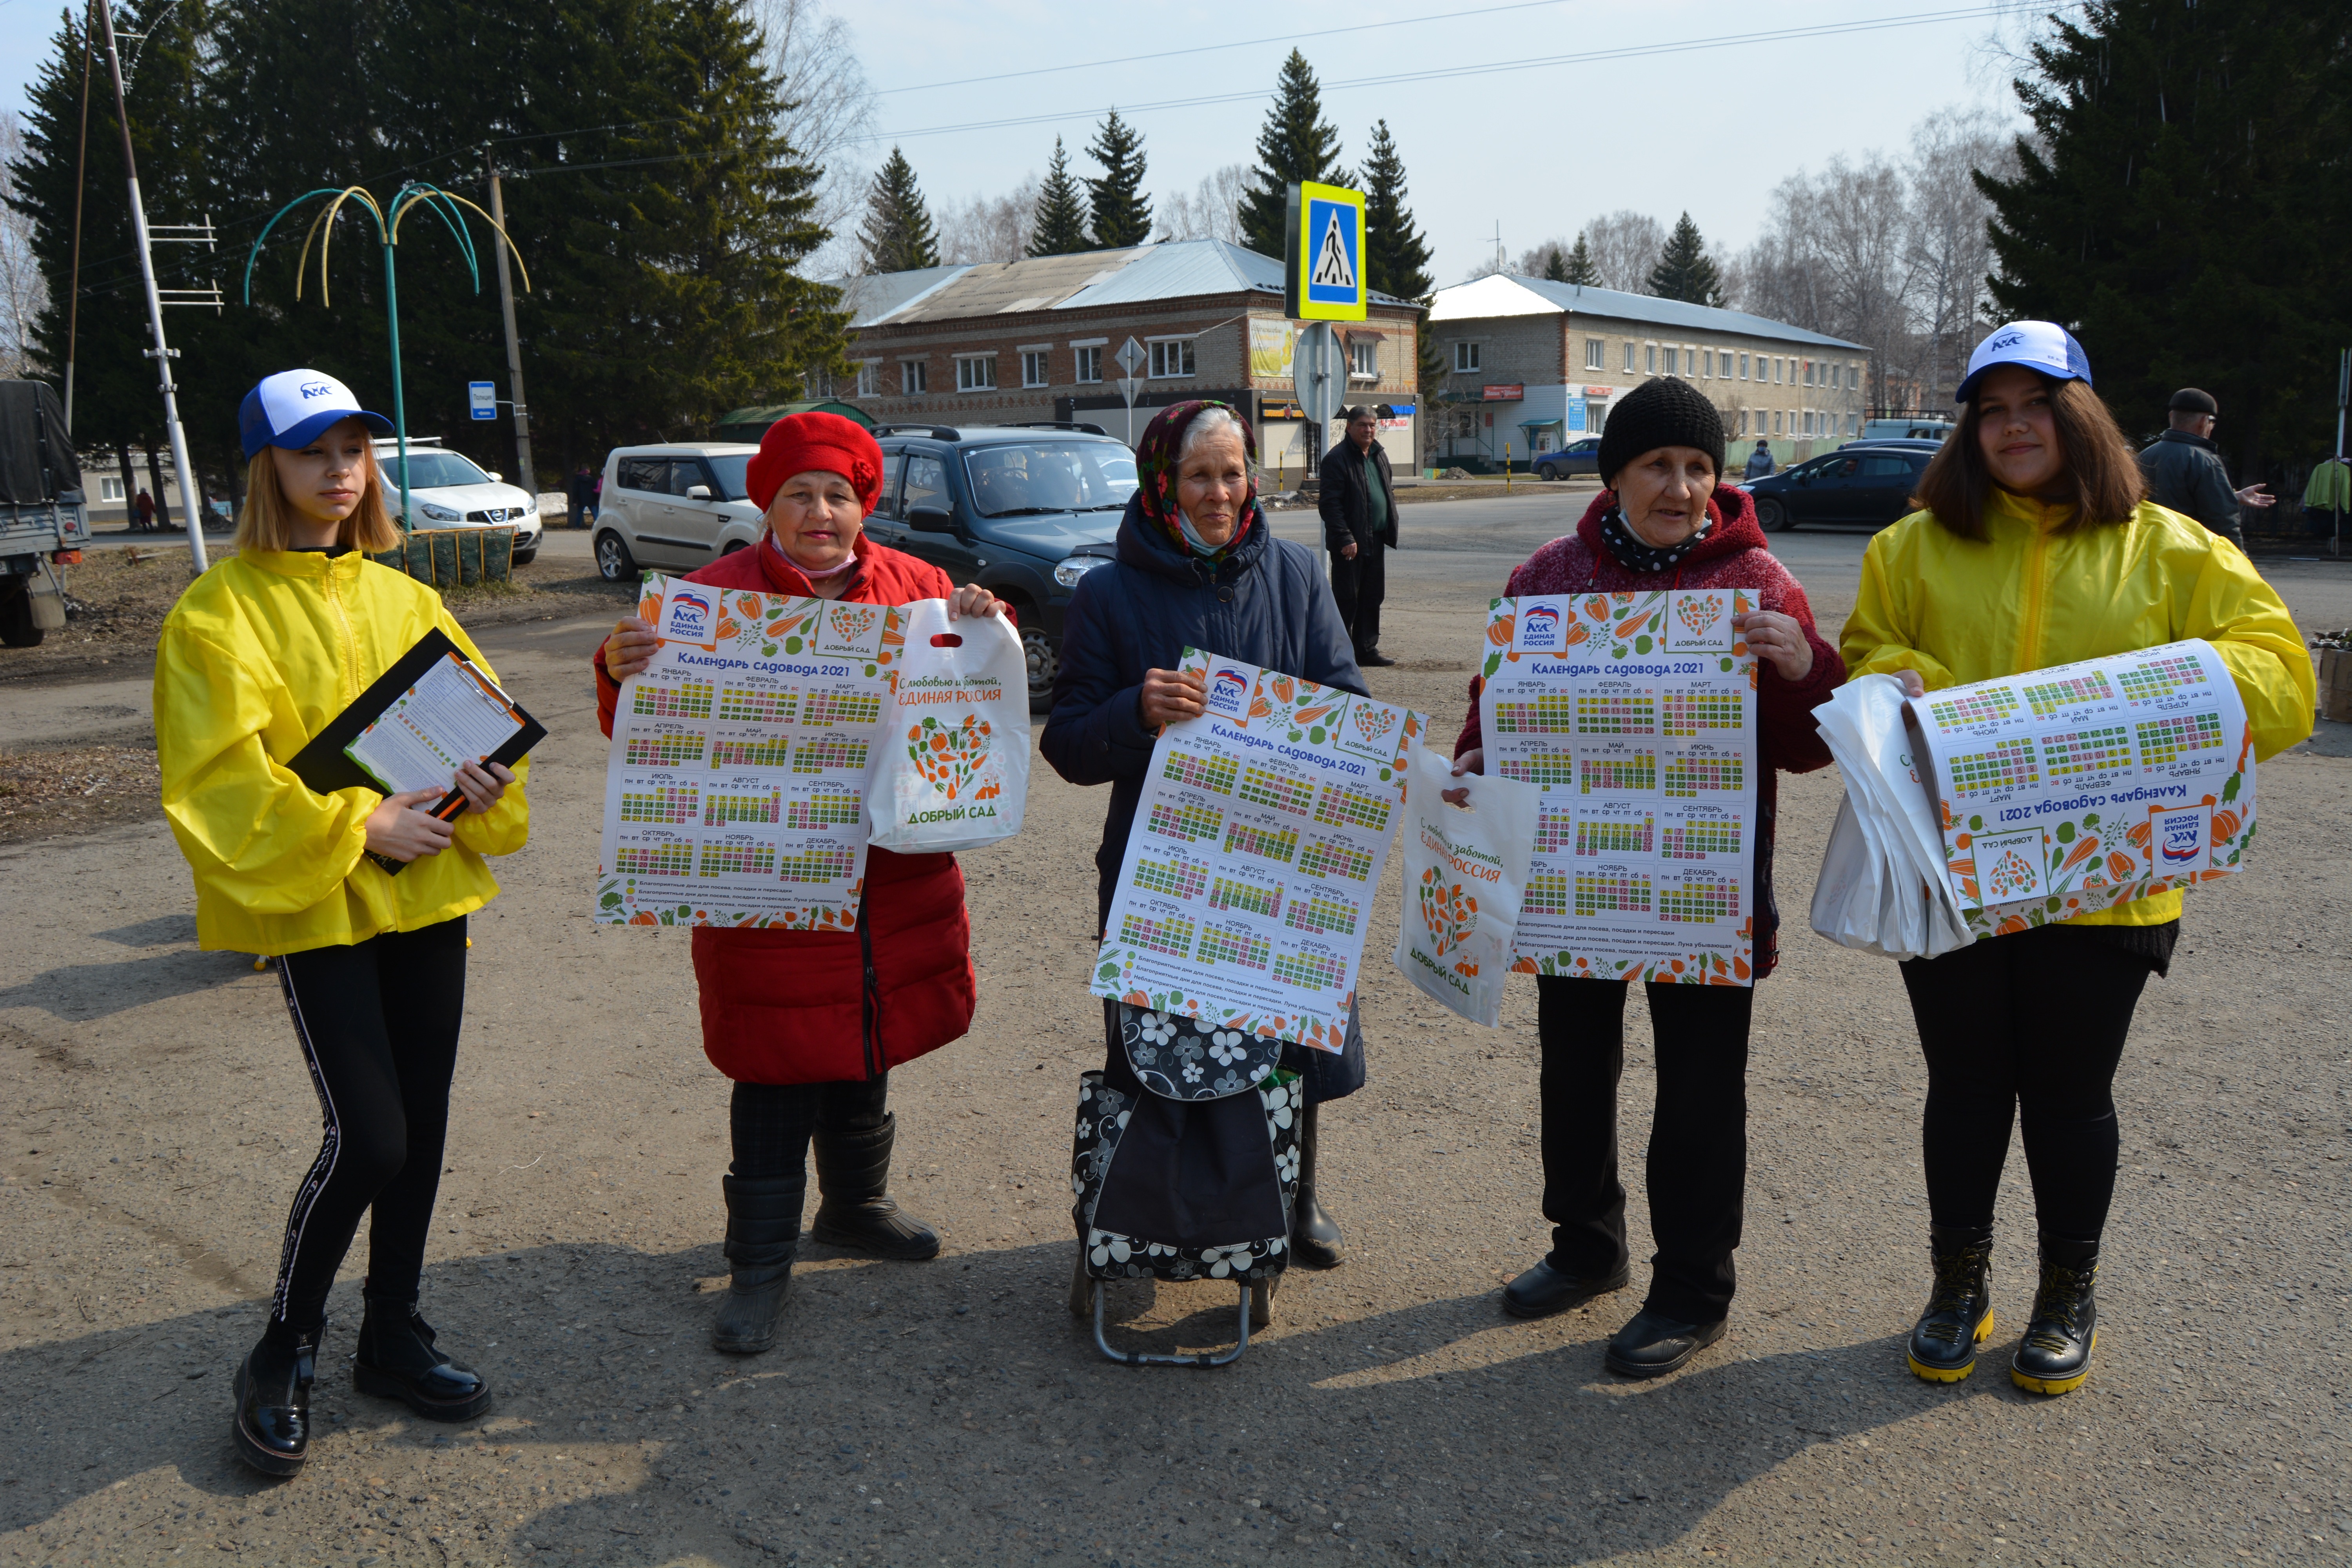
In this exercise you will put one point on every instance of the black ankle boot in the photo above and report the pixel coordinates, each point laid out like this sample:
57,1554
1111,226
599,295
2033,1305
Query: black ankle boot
2055,1355
1959,1314
855,1207
1315,1236
763,1232
396,1361
273,1400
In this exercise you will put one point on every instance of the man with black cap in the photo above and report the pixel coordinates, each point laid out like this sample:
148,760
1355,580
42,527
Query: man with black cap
2185,473
1357,501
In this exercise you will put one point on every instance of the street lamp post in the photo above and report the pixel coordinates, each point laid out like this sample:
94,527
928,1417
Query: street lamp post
443,204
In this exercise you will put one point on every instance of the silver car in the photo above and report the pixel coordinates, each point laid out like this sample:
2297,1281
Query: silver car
446,490
674,506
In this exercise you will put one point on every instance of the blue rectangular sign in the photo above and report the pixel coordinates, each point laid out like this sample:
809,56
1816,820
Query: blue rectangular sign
483,397
1335,272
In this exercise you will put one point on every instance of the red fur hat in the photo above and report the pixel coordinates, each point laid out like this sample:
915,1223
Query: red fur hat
816,443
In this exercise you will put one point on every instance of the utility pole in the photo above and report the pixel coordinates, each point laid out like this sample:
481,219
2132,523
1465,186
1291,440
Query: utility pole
73,286
514,346
192,511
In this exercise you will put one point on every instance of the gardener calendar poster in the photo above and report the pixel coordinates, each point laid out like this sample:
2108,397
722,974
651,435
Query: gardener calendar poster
1636,714
1247,886
735,794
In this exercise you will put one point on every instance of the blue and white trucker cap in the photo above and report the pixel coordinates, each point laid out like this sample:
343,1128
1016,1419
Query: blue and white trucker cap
290,408
2044,346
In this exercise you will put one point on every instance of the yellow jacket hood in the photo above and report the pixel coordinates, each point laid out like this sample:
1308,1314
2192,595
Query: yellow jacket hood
258,654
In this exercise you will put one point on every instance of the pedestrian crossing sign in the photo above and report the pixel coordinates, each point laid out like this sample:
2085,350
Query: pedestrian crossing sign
1324,280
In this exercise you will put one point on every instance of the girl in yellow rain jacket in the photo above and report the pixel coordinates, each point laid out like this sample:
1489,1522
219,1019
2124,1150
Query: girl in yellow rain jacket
259,654
2036,549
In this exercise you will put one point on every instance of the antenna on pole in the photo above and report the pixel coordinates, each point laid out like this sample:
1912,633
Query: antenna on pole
162,354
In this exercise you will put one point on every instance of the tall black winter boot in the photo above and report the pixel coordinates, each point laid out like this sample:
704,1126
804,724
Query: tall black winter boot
1959,1314
396,1360
764,1231
273,1399
1315,1237
2055,1355
856,1208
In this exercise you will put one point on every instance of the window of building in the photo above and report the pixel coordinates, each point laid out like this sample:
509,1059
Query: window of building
1743,367
1853,425
1596,415
914,376
1364,359
1629,357
870,378
1809,373
1032,367
1776,422
1089,361
1706,361
109,489
1593,354
975,372
1653,359
1465,356
1171,357
1690,362
1777,363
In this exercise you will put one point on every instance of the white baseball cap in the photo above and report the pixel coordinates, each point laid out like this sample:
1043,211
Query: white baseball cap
290,408
2044,346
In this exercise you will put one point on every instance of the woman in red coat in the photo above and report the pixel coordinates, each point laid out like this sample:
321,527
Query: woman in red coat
809,1023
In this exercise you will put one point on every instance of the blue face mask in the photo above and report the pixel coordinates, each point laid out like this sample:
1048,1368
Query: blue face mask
1192,540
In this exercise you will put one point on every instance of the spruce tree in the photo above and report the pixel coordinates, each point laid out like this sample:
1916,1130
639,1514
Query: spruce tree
1396,254
1296,144
1061,223
1684,270
1578,266
1120,212
1555,267
896,233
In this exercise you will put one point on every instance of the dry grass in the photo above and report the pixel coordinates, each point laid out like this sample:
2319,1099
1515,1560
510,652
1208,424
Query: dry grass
76,789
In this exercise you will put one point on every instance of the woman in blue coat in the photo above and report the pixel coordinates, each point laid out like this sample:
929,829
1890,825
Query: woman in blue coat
1197,566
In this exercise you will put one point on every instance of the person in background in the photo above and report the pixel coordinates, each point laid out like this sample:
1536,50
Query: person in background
2035,550
144,510
1759,462
577,493
809,1023
258,655
1198,567
1357,500
1666,522
2184,472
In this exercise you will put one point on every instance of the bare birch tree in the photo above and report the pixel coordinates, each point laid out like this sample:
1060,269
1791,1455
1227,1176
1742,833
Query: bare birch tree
1625,246
988,229
1945,243
1211,211
24,292
828,116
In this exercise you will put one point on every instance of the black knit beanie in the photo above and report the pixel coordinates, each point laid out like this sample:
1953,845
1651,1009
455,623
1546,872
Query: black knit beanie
1665,412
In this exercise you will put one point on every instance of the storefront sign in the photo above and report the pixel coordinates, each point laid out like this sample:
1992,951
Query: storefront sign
1511,394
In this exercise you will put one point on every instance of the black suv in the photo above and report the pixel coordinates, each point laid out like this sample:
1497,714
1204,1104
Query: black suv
1871,485
1024,511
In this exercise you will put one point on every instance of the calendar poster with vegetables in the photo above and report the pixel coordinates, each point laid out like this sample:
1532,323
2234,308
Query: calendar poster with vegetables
1636,715
736,790
2087,786
1246,891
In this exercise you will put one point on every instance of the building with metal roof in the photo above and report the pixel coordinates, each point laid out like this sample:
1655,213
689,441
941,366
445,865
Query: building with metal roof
1039,338
1534,366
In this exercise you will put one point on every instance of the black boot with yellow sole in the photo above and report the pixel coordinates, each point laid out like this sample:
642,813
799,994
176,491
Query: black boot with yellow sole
1959,1314
2055,1355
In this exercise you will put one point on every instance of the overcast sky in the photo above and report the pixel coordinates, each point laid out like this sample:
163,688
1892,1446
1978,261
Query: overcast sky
1537,150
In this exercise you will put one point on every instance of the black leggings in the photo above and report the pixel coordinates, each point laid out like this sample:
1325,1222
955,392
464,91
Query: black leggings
1697,1167
771,1122
378,1022
2034,1024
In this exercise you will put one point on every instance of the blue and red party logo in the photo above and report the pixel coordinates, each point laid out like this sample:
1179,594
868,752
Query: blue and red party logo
1539,629
688,616
1229,692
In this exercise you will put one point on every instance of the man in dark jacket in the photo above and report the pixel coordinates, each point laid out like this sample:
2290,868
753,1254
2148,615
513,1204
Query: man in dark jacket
2185,473
581,492
1358,502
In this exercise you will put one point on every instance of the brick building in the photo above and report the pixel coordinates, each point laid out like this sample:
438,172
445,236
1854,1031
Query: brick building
1006,342
1534,364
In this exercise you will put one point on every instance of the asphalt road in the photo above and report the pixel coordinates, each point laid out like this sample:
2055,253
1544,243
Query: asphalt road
156,1121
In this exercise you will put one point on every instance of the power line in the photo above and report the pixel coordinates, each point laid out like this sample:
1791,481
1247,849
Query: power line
1211,48
1636,51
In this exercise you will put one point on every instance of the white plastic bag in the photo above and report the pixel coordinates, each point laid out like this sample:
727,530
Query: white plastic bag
1882,887
1466,867
954,769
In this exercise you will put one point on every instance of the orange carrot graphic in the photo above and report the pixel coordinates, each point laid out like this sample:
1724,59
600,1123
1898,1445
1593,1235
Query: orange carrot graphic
2083,851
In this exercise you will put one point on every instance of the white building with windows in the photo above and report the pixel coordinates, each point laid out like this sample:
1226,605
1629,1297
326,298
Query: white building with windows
1533,365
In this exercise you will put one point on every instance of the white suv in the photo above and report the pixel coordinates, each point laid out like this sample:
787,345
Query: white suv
674,506
447,490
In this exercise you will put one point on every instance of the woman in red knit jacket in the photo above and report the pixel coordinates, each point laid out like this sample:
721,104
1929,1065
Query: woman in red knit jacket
809,1023
1663,524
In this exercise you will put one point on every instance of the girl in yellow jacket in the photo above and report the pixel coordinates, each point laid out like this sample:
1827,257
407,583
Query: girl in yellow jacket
2036,549
259,654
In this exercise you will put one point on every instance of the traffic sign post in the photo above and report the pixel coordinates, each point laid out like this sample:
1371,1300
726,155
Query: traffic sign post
482,398
1318,377
1323,259
1130,357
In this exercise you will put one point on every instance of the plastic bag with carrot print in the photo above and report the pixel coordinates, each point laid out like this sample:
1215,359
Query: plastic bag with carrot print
1465,869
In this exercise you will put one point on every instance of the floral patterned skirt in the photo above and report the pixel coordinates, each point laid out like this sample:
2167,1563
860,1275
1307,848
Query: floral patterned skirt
1196,1187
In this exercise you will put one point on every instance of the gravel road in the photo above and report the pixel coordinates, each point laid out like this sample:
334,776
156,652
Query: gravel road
156,1121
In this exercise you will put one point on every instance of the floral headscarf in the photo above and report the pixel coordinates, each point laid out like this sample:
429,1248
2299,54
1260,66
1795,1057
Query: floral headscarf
1155,471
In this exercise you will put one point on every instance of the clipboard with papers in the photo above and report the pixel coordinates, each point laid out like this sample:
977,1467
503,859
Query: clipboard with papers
432,711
